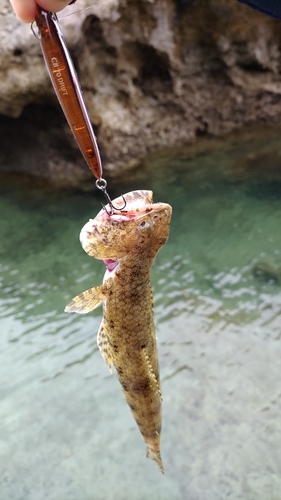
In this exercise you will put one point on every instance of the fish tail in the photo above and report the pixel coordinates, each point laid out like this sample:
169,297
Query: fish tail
155,455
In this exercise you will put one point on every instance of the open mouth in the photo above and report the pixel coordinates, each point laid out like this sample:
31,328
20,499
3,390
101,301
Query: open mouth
111,264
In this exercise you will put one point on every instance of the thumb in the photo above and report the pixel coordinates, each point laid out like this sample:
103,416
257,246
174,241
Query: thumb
25,9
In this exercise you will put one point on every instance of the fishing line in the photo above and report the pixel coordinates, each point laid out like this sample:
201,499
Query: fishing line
60,18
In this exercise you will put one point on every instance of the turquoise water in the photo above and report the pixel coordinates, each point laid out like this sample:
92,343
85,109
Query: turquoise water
66,431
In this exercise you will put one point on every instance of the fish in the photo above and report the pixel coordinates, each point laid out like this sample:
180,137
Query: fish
128,240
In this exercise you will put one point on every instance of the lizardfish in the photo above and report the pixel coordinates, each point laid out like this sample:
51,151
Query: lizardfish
128,241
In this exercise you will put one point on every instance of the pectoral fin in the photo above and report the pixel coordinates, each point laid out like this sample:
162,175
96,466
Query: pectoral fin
86,301
104,346
152,377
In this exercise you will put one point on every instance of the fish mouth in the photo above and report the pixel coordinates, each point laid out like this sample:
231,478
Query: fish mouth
111,264
139,212
136,203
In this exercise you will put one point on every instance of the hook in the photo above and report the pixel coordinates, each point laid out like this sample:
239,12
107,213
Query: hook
101,184
37,35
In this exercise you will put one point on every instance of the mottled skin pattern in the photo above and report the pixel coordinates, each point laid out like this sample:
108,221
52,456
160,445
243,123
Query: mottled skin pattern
128,241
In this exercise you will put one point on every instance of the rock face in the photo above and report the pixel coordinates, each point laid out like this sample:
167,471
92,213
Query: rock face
155,73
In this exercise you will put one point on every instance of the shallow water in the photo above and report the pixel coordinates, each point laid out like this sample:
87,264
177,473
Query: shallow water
66,431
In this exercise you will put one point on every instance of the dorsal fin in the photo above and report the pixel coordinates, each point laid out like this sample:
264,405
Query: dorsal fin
151,374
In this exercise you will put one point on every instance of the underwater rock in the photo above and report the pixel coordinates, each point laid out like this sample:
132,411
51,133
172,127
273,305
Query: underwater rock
154,74
269,268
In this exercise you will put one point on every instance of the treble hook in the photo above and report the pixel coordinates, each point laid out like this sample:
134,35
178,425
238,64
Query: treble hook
101,184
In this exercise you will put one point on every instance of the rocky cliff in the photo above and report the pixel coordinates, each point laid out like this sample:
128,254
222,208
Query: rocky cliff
155,73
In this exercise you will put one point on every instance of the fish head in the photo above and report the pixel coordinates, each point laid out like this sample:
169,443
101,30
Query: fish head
142,227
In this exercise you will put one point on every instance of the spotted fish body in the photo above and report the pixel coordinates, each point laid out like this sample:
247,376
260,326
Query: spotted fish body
128,241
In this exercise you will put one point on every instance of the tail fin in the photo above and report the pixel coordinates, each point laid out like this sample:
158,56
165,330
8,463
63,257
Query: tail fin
155,455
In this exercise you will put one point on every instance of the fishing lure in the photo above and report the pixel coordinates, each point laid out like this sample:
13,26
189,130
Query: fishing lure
67,87
68,90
